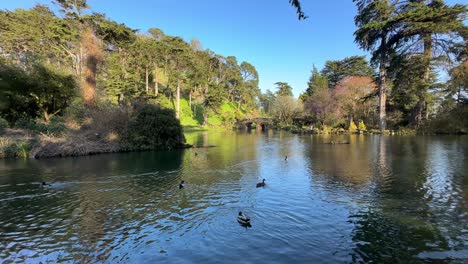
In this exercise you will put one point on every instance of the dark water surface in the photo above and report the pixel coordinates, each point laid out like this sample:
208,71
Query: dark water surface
380,199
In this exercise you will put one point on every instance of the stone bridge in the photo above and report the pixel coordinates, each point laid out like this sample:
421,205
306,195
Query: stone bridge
261,123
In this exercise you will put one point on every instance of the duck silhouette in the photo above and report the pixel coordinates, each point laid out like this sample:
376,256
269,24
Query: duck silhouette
243,219
182,185
43,184
261,184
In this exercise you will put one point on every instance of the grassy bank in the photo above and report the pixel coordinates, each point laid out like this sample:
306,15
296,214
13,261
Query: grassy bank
100,129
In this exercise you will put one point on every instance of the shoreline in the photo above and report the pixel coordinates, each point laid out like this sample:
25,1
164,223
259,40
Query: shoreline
20,143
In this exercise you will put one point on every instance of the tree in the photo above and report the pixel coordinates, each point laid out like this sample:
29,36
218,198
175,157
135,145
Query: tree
316,82
266,101
285,108
354,97
72,8
231,77
374,26
250,90
428,29
350,66
323,107
40,91
47,36
179,60
284,89
458,83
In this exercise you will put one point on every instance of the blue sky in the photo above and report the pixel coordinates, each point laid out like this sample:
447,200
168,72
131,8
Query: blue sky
265,33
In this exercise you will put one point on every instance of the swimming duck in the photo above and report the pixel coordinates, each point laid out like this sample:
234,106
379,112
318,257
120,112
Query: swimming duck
261,184
45,184
182,185
243,219
286,158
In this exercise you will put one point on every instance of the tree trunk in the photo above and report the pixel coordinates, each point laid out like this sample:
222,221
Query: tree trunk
383,84
205,110
205,117
178,100
190,99
46,116
156,81
419,110
146,79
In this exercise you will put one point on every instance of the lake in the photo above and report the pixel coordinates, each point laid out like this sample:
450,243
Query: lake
380,199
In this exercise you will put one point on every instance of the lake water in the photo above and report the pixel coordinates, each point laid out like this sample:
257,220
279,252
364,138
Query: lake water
380,199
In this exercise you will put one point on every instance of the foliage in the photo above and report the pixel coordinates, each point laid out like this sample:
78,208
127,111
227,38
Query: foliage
109,61
3,125
285,108
336,70
323,108
284,89
152,127
266,101
448,121
316,82
458,83
55,127
352,126
362,126
10,148
297,4
40,91
355,96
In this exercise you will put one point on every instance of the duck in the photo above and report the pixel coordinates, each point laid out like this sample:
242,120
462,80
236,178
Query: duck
182,185
286,158
43,184
261,184
243,219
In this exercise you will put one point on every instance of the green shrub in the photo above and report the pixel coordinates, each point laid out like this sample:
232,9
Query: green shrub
26,124
14,149
54,128
152,127
452,121
3,125
77,110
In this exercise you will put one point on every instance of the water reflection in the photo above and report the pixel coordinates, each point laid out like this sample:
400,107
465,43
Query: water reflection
377,199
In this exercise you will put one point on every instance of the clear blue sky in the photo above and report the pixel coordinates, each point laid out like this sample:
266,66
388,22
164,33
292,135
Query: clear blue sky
265,33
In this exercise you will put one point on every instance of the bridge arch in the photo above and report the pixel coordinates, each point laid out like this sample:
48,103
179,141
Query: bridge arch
261,123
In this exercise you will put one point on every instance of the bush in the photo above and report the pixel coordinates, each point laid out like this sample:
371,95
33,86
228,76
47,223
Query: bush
152,127
54,128
77,111
14,148
451,121
25,124
3,125
352,126
362,126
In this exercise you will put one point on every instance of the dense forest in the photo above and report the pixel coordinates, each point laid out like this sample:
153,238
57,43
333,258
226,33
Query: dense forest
77,70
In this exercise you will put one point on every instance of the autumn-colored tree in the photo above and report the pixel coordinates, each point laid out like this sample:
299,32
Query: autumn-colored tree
354,95
323,108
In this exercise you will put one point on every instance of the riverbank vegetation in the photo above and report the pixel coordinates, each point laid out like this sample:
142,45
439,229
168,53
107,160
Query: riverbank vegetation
74,82
416,79
80,83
